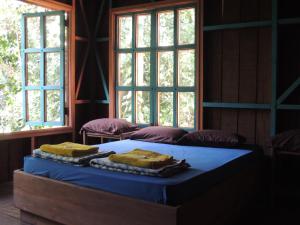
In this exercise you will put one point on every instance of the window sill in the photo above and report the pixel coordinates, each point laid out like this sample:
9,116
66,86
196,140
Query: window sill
35,133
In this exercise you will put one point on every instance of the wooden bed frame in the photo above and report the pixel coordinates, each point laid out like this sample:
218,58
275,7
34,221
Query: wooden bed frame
45,201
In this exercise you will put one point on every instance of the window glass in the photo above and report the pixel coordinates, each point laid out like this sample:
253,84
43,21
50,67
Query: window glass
165,68
166,28
186,109
186,26
125,32
143,68
143,30
52,24
52,64
143,107
125,105
125,69
165,108
52,105
33,33
33,69
34,105
186,67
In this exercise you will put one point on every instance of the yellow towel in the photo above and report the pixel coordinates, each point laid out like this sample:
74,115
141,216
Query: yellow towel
69,149
142,158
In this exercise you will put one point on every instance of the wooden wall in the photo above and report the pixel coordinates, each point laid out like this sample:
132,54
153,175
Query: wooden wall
237,67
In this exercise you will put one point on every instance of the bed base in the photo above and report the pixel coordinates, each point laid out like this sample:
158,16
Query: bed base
51,202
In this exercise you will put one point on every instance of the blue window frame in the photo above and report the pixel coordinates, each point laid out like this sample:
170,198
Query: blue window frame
156,67
43,68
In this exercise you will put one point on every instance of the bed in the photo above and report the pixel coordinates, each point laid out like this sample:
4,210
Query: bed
219,185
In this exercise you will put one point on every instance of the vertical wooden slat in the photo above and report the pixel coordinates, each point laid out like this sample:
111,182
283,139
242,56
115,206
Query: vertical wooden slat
248,72
230,78
4,161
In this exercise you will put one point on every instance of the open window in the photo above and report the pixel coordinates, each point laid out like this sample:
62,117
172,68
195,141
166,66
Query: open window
35,67
43,68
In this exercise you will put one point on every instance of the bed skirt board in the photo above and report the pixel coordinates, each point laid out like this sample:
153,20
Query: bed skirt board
51,202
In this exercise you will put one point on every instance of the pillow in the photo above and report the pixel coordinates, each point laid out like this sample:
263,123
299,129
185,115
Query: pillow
108,126
287,141
212,138
158,134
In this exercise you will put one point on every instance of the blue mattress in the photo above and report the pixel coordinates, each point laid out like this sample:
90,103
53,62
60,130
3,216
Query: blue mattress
208,167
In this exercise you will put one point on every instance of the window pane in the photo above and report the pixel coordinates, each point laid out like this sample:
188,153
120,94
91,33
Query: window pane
33,105
143,30
33,35
143,68
186,67
143,107
166,28
186,26
125,32
125,65
165,108
165,68
52,24
53,105
33,69
186,109
52,70
125,106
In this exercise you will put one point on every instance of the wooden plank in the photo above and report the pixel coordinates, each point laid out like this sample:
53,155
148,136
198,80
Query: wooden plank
199,65
231,11
213,77
230,78
4,159
263,85
61,202
16,155
247,82
35,133
150,6
51,4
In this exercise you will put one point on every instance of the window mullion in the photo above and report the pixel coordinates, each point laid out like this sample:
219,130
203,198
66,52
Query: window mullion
23,58
62,68
153,70
42,68
133,70
175,100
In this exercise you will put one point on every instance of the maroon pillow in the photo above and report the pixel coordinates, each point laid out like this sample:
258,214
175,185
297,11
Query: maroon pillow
108,126
212,138
158,134
287,141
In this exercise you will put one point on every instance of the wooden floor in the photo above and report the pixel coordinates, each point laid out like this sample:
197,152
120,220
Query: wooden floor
287,214
9,215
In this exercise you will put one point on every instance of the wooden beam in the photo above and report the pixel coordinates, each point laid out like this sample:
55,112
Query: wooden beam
151,6
50,4
36,133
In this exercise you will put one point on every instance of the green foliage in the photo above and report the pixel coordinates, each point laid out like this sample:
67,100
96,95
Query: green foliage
11,118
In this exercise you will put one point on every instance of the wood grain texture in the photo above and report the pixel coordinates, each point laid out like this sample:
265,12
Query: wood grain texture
60,202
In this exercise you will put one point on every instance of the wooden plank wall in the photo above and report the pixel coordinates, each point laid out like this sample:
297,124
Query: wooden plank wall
237,67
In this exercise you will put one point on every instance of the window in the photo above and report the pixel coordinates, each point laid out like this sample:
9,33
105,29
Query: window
155,66
43,65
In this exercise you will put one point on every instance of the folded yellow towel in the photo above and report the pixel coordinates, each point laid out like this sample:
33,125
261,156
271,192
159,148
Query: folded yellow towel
70,149
142,158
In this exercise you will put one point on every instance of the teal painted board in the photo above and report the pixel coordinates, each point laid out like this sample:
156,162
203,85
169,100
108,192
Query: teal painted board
43,87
